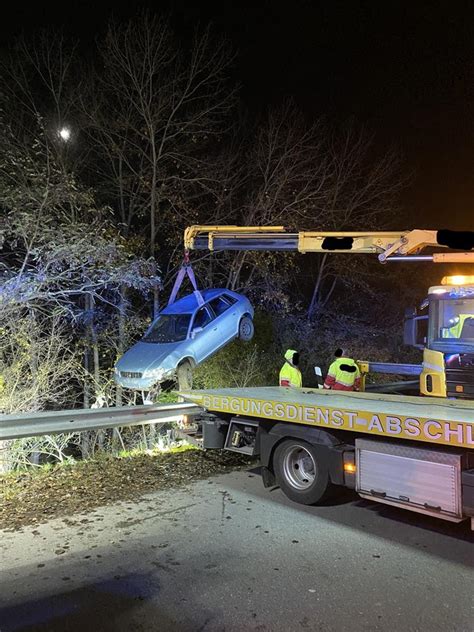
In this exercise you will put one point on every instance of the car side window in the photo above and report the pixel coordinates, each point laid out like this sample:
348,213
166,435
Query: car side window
220,305
202,318
230,299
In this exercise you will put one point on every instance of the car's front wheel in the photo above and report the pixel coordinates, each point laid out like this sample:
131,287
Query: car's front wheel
246,328
185,376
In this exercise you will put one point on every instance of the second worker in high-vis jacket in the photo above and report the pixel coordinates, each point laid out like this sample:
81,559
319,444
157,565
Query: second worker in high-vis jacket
343,374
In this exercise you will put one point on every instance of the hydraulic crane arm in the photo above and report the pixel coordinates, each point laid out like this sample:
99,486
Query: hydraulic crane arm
389,246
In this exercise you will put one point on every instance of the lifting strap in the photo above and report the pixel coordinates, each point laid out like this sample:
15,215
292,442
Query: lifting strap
185,269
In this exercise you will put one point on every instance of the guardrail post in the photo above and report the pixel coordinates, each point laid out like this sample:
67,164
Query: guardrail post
4,456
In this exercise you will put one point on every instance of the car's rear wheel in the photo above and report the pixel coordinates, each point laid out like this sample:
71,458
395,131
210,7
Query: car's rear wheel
185,376
246,328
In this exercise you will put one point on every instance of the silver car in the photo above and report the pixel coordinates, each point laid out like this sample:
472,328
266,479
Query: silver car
184,335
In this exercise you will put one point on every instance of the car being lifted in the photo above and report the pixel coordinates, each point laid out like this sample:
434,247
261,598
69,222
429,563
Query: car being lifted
184,334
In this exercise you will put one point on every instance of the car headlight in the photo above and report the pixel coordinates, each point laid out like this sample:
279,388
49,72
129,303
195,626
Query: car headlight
156,374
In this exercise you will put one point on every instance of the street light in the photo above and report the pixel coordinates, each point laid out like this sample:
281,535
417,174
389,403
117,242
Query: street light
65,133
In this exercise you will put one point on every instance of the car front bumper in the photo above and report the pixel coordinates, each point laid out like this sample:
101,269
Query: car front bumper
140,383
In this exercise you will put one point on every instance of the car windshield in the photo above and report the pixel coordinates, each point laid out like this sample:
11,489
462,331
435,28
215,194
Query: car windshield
169,328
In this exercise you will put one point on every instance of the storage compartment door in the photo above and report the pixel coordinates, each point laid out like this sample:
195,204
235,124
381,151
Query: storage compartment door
429,485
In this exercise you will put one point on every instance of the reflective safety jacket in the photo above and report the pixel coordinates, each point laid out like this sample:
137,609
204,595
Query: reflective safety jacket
457,330
343,375
290,375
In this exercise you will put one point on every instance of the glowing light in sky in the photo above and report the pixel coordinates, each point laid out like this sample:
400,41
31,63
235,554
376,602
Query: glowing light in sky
65,133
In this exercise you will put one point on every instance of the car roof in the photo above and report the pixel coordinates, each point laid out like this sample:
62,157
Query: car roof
189,304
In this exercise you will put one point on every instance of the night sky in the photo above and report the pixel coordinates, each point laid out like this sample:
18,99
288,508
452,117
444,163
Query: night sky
405,70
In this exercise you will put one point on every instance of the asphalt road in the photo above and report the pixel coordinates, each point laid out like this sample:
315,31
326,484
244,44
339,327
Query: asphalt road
226,554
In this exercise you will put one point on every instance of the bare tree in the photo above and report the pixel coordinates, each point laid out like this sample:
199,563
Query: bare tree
307,177
40,81
152,109
40,75
361,194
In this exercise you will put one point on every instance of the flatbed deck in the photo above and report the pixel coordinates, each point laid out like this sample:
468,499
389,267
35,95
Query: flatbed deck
422,419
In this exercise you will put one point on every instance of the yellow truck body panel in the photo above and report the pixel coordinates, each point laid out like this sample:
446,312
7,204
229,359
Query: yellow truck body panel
432,420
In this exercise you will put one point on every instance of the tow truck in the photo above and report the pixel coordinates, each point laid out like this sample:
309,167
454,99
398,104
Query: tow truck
414,452
443,327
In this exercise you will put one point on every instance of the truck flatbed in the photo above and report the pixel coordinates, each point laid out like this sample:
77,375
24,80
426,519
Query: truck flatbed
422,419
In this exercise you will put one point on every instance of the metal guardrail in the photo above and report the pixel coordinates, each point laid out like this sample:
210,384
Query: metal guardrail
54,422
393,387
391,368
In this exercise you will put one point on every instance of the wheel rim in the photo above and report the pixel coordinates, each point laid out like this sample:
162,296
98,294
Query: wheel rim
299,467
245,328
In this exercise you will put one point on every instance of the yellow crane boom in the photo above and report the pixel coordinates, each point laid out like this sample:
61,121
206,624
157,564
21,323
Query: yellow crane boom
388,246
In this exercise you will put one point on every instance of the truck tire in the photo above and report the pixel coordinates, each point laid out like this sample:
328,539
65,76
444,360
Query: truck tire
185,376
246,328
299,472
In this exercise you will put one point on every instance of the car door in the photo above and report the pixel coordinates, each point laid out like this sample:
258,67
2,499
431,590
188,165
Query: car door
227,318
203,333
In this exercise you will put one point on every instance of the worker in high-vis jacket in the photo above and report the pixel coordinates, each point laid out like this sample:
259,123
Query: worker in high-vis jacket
290,375
460,326
343,374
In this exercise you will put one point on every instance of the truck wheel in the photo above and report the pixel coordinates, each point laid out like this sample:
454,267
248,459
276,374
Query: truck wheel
246,328
299,472
185,376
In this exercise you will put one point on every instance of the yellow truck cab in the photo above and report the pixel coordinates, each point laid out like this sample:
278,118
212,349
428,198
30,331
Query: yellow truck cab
446,335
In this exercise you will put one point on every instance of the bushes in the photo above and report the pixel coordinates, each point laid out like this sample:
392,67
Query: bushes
258,362
241,364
